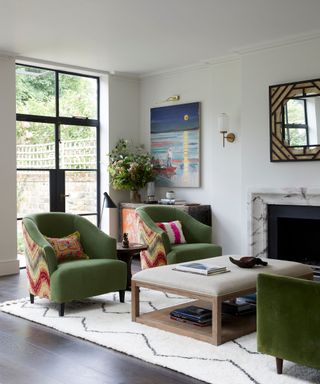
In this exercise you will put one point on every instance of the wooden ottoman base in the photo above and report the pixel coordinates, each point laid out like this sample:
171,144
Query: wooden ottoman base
208,292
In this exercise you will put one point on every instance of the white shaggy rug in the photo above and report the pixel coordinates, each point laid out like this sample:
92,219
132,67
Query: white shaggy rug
105,321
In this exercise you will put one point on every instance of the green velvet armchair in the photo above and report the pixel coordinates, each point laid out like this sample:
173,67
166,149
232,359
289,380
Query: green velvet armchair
70,280
288,319
160,252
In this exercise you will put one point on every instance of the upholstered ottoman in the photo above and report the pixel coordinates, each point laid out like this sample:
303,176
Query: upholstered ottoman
210,292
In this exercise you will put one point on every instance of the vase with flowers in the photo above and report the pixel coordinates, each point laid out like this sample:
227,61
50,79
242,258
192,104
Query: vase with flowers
130,168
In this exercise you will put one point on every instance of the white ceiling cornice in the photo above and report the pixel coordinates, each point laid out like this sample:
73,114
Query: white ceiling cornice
202,66
62,66
173,71
235,56
277,43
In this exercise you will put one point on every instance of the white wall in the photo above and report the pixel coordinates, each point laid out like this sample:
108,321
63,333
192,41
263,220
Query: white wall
241,90
259,70
124,107
8,223
218,89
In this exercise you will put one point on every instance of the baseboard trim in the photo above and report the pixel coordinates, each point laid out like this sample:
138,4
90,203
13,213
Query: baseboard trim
9,267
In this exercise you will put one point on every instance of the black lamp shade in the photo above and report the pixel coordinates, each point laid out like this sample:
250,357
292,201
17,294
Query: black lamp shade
108,201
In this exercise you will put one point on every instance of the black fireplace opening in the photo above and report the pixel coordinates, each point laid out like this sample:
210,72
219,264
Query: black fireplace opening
294,233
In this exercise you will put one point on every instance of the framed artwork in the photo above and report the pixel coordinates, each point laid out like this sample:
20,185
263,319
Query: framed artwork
175,145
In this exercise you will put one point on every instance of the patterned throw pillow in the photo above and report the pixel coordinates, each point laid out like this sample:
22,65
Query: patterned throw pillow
68,248
174,231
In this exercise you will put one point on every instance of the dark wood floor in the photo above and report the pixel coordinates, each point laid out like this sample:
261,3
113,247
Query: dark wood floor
31,353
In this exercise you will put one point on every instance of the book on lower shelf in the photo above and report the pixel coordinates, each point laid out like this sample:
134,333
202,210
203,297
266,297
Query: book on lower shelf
201,268
239,306
192,314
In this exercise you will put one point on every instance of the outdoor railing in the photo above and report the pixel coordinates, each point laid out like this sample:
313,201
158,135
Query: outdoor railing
80,153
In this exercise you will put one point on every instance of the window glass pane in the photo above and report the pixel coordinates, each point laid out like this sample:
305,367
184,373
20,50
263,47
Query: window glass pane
81,191
35,145
298,136
77,96
92,218
78,147
296,113
35,91
32,192
20,245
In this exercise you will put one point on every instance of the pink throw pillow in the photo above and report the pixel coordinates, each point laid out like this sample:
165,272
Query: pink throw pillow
174,231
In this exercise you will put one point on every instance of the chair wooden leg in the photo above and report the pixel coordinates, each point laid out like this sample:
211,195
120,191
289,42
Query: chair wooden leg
61,309
279,363
121,295
31,298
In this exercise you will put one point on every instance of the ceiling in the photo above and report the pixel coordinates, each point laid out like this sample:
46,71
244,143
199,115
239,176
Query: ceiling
146,36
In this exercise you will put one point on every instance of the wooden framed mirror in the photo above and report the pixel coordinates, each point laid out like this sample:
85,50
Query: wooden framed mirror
295,121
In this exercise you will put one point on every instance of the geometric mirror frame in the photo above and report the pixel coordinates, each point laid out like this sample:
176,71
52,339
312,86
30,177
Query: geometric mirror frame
295,121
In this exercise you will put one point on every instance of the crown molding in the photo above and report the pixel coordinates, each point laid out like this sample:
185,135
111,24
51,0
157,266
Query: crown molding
7,55
231,58
62,66
234,56
174,71
127,76
204,65
277,43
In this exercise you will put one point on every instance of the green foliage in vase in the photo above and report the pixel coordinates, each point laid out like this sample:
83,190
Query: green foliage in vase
130,166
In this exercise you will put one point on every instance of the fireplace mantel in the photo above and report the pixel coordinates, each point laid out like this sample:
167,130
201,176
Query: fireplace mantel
258,201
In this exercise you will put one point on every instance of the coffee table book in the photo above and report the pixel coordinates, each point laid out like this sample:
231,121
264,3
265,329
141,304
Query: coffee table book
198,324
200,268
192,313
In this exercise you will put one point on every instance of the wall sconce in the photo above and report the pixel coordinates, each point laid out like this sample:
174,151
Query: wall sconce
223,124
173,98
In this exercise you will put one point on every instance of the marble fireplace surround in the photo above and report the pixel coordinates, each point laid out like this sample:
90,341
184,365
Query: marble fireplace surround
258,201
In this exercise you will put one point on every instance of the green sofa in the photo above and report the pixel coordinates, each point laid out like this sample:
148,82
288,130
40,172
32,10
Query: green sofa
288,319
70,280
160,252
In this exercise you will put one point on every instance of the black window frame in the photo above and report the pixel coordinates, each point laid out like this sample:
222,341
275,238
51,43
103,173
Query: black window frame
57,121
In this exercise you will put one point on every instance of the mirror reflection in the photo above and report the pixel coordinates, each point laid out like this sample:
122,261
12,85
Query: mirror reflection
295,121
301,124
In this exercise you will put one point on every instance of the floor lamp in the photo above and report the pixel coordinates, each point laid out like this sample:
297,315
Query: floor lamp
108,203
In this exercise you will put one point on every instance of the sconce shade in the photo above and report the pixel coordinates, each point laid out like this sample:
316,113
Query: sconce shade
223,122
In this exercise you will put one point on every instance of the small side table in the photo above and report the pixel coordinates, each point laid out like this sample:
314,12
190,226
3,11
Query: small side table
126,255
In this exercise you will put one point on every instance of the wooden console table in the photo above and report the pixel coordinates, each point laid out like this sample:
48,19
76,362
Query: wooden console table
128,221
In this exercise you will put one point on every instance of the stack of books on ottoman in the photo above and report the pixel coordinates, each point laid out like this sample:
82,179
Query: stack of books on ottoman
201,268
193,315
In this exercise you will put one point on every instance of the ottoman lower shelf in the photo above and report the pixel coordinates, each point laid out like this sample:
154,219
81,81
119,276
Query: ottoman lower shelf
232,327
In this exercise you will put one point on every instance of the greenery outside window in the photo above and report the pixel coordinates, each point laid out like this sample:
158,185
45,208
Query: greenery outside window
57,143
296,123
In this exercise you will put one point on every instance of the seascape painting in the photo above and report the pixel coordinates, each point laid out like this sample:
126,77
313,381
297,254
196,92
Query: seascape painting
175,145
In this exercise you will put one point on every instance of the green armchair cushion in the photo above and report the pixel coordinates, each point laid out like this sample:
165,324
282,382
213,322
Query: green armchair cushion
288,319
81,278
194,251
